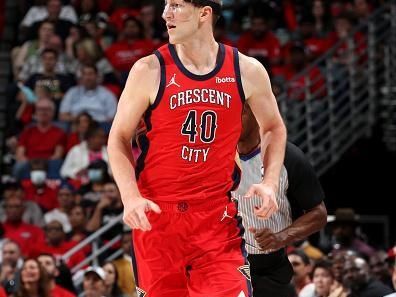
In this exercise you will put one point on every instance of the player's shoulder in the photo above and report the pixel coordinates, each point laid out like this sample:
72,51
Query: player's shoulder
146,65
250,65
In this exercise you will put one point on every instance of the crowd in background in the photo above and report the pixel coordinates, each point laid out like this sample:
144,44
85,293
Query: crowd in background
70,63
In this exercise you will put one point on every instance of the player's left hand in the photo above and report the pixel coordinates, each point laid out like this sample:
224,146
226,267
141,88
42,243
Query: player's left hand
267,193
267,240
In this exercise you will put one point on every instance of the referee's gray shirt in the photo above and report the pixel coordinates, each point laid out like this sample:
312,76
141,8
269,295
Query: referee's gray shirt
299,190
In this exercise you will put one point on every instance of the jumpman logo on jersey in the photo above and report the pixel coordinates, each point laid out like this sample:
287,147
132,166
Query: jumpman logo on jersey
173,81
225,214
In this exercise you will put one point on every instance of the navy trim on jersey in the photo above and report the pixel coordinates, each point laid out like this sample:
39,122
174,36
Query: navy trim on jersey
236,177
134,263
161,88
219,63
250,155
238,75
144,144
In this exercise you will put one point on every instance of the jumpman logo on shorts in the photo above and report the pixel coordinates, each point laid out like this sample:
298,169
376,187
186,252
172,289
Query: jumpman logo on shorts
173,81
225,214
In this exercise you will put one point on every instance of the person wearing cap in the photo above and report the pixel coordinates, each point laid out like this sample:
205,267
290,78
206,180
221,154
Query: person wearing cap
94,282
344,233
186,230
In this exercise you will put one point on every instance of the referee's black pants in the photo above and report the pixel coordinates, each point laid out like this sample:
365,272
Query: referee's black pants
271,275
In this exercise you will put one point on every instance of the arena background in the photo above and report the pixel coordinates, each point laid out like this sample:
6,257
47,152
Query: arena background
356,161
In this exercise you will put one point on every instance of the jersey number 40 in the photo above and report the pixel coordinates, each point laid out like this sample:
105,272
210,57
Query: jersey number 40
207,126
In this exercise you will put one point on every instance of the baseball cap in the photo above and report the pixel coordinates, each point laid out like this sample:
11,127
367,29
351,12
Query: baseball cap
97,270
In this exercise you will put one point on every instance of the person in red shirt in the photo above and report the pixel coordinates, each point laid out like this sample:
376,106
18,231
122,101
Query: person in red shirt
81,125
260,41
130,47
55,243
38,188
2,292
15,229
48,262
42,140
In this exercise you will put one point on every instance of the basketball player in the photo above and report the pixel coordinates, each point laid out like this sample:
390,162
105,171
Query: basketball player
191,93
299,194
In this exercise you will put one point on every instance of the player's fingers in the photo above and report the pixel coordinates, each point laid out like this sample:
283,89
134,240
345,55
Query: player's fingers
143,221
250,192
128,219
154,207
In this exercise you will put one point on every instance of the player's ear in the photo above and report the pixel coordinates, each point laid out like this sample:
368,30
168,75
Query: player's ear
206,12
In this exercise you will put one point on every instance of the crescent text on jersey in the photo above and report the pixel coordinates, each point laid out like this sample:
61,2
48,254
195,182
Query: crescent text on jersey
200,96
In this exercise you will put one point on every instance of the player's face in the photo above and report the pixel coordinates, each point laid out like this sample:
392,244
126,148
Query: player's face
182,19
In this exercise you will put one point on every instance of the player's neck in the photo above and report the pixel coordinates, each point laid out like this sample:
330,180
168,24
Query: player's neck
198,55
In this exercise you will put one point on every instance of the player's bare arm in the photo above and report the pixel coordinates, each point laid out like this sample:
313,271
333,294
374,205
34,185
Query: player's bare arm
258,92
139,92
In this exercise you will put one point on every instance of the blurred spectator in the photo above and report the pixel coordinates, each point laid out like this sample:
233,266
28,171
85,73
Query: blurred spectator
343,25
17,230
62,26
55,243
66,201
98,28
27,98
34,280
80,127
344,233
315,44
324,282
57,83
80,156
124,264
130,47
94,282
40,12
48,262
32,213
88,52
122,10
380,268
322,17
260,41
38,188
302,268
362,8
30,47
111,281
90,97
3,293
78,221
42,140
153,28
313,80
64,65
356,277
11,261
107,209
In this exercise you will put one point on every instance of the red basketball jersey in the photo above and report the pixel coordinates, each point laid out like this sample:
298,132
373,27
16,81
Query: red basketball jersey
193,128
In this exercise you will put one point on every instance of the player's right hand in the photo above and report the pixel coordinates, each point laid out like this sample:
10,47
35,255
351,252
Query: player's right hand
135,213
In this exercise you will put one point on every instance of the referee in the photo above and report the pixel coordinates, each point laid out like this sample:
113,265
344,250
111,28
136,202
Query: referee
299,197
